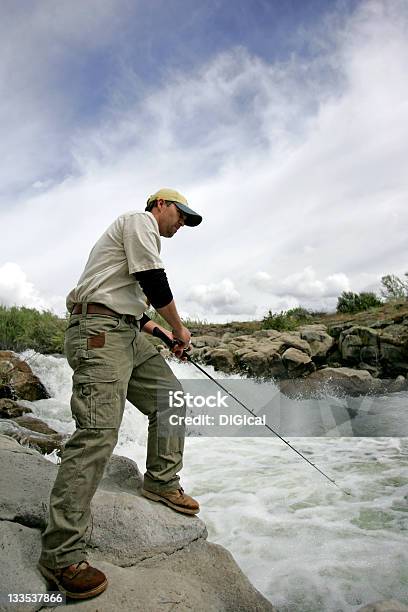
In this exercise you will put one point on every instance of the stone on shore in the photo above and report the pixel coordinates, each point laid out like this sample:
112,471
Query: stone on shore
153,556
17,374
332,381
220,358
319,340
297,363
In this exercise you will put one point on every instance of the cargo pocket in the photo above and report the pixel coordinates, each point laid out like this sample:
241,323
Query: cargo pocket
95,401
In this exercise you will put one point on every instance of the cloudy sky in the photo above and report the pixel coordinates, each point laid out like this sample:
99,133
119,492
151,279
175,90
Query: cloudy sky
284,123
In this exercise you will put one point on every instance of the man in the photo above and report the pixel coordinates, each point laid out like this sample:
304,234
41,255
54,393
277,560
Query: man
112,362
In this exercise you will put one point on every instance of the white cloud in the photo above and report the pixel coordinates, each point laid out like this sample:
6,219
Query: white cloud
17,290
298,167
304,284
219,298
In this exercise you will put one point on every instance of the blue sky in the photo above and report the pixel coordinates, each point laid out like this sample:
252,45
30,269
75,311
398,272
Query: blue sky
285,123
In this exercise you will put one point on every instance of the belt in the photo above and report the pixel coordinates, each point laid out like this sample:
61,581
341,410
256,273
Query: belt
92,308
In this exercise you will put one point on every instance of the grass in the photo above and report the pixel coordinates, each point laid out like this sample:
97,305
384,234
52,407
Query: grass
22,328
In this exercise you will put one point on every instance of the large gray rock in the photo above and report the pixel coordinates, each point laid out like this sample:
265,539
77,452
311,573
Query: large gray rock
297,362
221,359
293,340
251,361
319,340
154,558
385,348
267,333
26,479
155,528
202,577
394,351
129,528
358,344
335,329
344,381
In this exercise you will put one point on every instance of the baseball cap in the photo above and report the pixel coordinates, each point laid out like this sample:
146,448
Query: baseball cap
171,195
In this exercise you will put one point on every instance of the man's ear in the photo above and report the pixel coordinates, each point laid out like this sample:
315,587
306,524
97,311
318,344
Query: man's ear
160,203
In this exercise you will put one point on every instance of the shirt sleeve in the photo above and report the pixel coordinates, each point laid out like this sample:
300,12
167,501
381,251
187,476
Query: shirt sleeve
141,242
155,286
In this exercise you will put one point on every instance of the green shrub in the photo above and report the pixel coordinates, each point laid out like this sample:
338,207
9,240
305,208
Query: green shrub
350,302
286,320
22,328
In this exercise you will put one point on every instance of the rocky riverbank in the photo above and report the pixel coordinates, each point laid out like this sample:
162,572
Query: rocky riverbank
155,559
366,353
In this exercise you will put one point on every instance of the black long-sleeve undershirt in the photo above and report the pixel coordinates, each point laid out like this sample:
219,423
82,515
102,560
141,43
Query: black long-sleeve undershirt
155,286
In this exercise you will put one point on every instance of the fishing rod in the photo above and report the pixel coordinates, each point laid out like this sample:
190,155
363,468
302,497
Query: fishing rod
158,333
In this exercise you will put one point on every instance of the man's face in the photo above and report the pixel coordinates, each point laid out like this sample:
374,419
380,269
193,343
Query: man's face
170,219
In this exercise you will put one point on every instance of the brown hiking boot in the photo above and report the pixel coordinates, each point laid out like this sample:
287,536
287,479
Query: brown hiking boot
175,499
78,581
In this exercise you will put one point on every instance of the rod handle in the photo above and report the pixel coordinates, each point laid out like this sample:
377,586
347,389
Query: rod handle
170,343
163,337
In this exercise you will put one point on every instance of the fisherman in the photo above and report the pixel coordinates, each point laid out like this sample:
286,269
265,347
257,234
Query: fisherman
112,361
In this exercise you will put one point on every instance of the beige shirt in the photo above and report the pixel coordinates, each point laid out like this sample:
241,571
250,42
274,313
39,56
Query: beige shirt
131,244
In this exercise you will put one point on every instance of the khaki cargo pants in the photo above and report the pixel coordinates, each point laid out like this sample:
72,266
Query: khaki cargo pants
112,362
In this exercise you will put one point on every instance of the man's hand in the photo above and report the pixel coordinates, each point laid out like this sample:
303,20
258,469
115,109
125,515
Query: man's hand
182,336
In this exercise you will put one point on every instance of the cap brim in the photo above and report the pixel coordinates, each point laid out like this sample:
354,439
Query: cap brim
192,218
